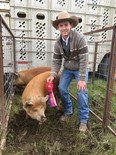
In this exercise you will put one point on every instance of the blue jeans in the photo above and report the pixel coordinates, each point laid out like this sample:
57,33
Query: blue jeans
82,104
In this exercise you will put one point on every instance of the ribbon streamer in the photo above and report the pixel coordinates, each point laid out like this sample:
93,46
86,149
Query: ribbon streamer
51,99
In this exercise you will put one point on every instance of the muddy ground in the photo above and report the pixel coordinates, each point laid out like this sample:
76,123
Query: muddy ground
26,137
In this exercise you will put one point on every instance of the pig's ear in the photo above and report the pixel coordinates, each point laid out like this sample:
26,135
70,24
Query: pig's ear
44,99
15,74
28,104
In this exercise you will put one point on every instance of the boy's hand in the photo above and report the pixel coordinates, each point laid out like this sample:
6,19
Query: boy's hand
50,78
81,85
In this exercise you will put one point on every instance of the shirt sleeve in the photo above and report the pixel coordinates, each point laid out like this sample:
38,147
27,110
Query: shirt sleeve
83,57
57,61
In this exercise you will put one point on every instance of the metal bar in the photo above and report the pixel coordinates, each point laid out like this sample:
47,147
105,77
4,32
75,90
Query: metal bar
35,38
99,41
2,102
4,2
99,30
108,127
4,23
110,82
87,33
42,9
104,41
111,130
4,10
104,6
56,39
95,58
95,115
14,53
14,50
89,110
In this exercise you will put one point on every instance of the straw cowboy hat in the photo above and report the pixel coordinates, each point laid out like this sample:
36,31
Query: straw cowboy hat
64,16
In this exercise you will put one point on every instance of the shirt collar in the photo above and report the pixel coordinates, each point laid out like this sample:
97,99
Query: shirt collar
70,36
66,40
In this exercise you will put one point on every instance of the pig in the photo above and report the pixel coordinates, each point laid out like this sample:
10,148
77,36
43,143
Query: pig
35,96
23,77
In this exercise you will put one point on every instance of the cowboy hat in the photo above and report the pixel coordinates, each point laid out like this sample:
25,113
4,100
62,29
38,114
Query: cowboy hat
64,16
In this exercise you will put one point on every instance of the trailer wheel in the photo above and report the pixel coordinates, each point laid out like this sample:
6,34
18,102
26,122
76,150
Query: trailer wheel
103,66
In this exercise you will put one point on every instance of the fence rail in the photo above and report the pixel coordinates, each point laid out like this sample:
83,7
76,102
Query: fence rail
108,113
7,67
110,80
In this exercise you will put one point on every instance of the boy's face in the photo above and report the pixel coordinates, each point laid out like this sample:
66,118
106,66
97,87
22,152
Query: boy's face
64,28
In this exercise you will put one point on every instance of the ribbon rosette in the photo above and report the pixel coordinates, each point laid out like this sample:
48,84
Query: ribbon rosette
51,98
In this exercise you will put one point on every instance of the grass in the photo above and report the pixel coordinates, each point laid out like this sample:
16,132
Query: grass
97,95
26,137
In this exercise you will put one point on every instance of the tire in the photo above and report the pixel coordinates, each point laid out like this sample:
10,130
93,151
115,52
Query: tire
103,67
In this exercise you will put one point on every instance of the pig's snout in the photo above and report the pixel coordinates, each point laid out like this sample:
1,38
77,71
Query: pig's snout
43,119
